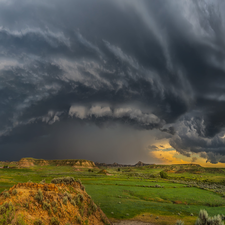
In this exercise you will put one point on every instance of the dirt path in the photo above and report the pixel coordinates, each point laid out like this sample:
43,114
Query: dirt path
128,222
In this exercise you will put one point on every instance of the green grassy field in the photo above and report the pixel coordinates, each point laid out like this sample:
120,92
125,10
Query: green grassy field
131,192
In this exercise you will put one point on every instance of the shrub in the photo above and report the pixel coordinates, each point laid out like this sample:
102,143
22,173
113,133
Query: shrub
46,206
65,200
73,202
78,219
39,196
203,216
79,181
81,210
2,210
42,182
68,195
20,220
93,206
179,222
78,199
66,180
82,187
54,221
55,210
38,222
89,212
163,174
8,212
203,219
14,192
26,205
6,194
119,169
53,203
81,197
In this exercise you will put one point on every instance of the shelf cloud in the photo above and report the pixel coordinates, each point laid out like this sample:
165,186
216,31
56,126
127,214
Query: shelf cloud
152,66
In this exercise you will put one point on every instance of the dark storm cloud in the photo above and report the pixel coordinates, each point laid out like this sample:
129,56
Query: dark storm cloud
144,64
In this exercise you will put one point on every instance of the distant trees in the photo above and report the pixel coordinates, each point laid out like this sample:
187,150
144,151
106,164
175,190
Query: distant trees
163,175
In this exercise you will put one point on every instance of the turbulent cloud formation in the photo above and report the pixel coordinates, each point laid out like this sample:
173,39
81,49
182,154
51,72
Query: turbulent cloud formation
141,64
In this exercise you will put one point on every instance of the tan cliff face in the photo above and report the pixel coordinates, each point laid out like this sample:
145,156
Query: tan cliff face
29,162
55,203
25,163
87,164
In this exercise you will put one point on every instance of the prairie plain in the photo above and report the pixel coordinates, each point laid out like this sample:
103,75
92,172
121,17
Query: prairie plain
137,193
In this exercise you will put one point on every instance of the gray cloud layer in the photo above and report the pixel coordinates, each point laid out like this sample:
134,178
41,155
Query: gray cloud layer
144,64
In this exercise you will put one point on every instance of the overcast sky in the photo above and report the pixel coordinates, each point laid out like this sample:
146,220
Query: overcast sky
113,81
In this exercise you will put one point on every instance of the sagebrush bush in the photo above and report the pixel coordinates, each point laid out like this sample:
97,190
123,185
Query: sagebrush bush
39,196
38,222
73,202
79,219
80,197
55,210
82,187
53,203
81,210
20,220
46,206
66,180
26,205
42,182
2,210
54,221
68,195
93,206
179,222
14,192
8,212
6,194
65,200
203,219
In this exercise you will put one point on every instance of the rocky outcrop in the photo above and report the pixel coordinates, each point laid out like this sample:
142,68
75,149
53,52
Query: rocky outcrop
26,162
64,201
78,163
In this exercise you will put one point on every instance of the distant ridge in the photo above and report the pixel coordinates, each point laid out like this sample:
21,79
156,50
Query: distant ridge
142,164
138,164
29,162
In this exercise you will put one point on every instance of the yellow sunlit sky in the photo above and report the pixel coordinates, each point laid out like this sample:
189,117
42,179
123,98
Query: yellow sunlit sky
169,155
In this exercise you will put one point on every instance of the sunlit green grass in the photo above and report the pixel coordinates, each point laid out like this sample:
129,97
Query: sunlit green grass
123,192
121,201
